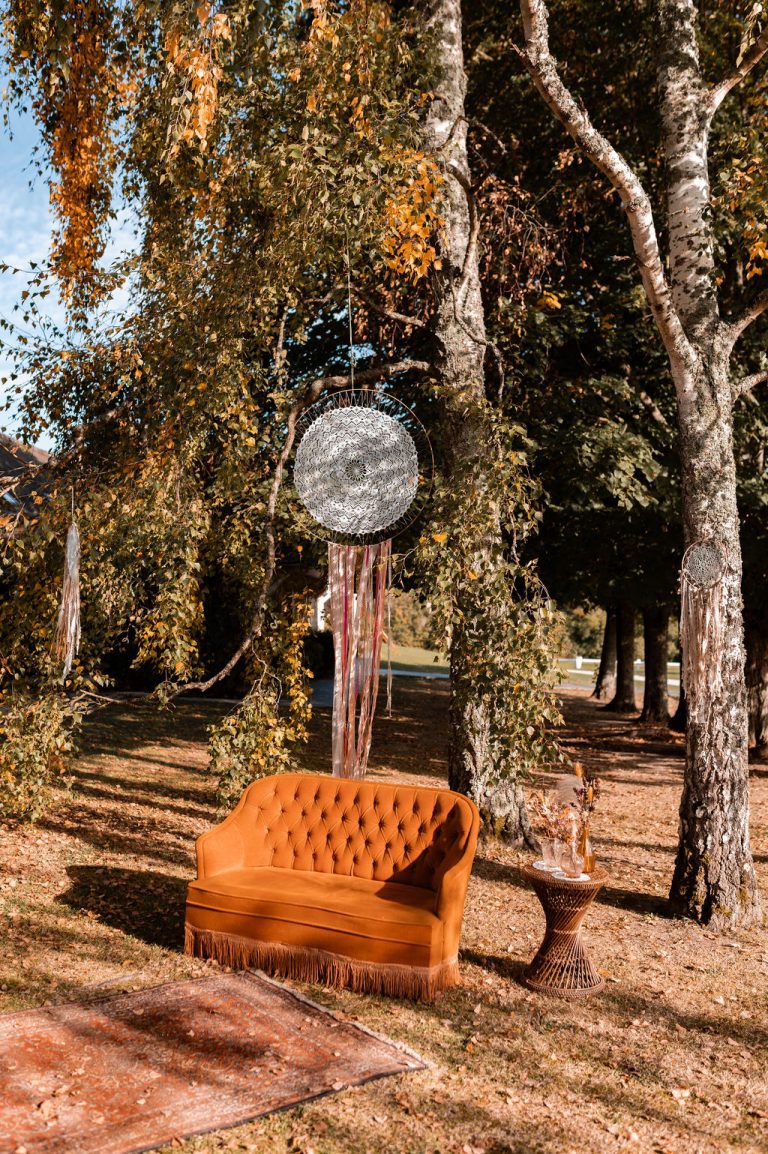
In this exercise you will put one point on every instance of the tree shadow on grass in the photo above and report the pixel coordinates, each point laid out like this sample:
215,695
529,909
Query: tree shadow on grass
636,901
505,966
495,871
145,905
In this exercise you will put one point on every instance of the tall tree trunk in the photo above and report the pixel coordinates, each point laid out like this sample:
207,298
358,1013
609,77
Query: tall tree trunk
624,697
679,719
756,638
655,641
466,418
714,879
605,686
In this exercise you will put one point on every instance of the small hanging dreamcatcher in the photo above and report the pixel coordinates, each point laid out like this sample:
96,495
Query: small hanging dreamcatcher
702,613
363,472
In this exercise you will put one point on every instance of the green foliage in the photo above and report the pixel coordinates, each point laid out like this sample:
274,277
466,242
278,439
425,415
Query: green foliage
583,632
260,736
508,631
35,749
412,619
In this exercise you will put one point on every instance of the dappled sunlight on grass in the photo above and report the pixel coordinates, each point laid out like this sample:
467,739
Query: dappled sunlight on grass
671,1057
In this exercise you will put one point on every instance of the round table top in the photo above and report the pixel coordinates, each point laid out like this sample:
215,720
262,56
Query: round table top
596,879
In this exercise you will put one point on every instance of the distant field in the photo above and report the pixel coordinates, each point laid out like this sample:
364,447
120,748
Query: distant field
581,678
412,659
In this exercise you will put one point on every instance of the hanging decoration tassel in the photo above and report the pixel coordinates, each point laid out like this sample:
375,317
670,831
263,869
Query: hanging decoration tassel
389,632
702,613
67,639
358,587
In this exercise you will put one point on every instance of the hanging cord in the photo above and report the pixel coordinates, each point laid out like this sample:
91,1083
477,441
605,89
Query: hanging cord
389,633
349,318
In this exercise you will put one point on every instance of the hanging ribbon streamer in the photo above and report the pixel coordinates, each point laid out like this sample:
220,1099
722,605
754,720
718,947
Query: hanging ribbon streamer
702,613
358,586
363,471
67,638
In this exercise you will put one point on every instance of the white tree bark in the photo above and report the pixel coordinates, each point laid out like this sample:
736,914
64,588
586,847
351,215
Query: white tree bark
714,877
460,348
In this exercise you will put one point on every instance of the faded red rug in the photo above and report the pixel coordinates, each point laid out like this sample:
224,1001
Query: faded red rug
134,1071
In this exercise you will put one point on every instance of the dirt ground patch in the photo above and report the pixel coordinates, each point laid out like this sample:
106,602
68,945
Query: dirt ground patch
672,1057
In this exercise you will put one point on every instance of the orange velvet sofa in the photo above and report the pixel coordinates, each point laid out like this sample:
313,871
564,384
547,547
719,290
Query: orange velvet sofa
352,883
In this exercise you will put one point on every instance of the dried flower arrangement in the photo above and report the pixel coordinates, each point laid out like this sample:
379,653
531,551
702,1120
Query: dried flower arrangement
564,813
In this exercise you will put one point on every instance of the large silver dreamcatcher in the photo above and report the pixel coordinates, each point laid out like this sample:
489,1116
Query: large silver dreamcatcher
363,472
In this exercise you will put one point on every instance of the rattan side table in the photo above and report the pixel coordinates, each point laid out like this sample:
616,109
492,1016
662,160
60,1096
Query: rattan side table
562,966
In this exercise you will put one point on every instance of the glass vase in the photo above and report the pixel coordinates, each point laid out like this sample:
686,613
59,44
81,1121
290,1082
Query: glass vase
586,850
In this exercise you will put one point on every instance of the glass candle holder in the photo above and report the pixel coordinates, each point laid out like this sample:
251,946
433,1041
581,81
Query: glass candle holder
550,847
571,861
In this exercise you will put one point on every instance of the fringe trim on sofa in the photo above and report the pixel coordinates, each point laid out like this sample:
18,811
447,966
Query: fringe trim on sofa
419,983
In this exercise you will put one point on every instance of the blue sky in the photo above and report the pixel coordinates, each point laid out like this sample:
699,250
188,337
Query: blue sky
25,223
25,228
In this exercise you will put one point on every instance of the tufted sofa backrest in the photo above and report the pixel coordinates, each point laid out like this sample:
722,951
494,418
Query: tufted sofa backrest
365,829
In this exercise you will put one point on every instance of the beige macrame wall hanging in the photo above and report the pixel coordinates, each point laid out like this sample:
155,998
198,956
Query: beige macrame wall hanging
702,614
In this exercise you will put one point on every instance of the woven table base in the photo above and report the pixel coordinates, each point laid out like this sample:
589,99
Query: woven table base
562,966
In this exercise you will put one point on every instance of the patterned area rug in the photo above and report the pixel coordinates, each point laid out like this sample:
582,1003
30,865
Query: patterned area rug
134,1071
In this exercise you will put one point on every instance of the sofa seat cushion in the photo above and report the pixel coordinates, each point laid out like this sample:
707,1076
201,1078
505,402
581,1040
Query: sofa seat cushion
356,917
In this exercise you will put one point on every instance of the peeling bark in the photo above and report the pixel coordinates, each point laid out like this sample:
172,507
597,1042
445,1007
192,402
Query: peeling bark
460,348
714,880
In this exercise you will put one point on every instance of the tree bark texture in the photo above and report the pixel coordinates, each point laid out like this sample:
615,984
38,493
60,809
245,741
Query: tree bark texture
655,641
623,700
756,638
460,348
605,685
714,880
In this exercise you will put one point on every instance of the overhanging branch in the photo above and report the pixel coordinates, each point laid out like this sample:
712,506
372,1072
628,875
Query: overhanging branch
541,66
741,323
748,383
751,57
270,583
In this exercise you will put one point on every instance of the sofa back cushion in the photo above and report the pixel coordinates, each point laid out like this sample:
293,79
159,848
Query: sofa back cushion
363,829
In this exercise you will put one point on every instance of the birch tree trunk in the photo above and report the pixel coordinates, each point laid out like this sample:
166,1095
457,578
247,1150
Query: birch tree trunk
714,878
460,348
605,685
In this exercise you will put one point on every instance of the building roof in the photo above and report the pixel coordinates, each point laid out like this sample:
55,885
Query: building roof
22,480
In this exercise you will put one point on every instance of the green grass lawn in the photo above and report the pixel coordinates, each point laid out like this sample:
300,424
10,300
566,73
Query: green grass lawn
669,1059
411,658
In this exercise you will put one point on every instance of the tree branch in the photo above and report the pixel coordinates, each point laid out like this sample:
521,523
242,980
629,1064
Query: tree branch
741,323
540,64
653,409
269,583
748,383
401,318
474,232
751,57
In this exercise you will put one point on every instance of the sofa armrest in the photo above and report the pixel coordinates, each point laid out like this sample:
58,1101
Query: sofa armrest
451,896
219,849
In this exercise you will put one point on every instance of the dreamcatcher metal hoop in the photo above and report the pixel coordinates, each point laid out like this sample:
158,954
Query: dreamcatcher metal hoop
363,468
